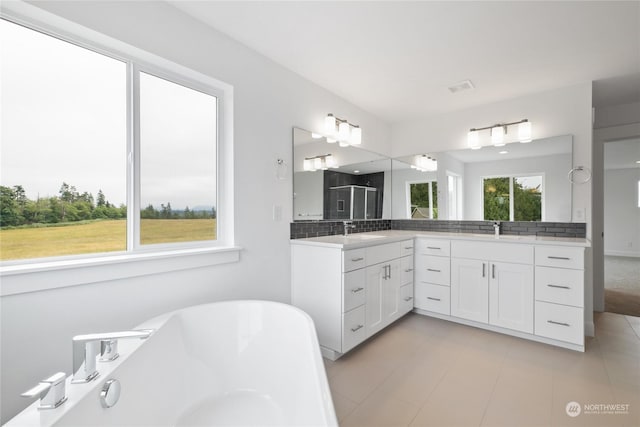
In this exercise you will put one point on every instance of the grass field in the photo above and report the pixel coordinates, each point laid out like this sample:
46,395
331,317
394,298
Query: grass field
98,236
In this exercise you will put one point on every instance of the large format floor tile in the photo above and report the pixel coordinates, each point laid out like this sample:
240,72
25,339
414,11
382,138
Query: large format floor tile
423,371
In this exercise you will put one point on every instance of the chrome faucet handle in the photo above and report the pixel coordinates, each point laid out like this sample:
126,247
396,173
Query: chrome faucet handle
86,349
51,390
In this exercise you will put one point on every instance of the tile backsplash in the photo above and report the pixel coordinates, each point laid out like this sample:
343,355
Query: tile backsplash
304,229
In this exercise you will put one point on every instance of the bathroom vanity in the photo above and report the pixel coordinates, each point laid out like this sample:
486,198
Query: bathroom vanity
526,286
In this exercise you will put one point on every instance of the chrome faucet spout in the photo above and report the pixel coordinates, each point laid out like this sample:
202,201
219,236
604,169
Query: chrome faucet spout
348,225
87,347
496,229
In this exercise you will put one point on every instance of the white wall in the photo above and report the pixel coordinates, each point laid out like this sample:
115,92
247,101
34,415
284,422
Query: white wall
564,111
621,212
37,327
556,187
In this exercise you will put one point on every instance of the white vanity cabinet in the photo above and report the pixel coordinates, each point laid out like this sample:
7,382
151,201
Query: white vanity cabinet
559,290
352,294
432,275
493,283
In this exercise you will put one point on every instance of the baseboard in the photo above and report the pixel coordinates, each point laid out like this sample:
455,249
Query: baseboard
634,254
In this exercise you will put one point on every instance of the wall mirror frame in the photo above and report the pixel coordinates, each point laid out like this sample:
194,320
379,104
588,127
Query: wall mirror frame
337,183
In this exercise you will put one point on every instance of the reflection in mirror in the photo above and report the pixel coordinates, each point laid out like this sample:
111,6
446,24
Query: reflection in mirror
338,183
516,182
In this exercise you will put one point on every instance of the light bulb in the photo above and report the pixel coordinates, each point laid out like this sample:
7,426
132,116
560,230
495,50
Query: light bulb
343,132
524,132
497,136
330,124
472,140
308,165
356,135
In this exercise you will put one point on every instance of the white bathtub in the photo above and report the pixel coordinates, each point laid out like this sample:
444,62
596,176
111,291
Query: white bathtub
227,363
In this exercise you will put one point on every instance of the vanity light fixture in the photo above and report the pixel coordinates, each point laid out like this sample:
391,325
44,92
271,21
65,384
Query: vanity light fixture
498,132
321,162
424,163
341,130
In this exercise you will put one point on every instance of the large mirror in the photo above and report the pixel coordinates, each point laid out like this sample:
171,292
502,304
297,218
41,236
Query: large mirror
515,182
337,183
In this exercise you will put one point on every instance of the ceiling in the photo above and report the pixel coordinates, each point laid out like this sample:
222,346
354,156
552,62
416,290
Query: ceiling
396,59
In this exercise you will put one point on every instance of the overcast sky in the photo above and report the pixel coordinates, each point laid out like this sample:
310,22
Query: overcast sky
64,119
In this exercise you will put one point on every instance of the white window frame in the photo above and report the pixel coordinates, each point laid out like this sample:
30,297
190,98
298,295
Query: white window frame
20,276
511,201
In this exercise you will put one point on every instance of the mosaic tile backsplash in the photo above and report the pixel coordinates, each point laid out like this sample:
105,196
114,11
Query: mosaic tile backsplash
304,229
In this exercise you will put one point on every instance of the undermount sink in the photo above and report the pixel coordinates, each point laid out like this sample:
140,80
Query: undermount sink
365,236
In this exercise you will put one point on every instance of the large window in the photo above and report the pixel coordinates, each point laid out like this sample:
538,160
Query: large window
513,198
100,153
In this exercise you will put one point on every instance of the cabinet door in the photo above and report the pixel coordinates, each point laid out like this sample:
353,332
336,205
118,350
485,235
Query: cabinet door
511,296
376,278
391,299
470,289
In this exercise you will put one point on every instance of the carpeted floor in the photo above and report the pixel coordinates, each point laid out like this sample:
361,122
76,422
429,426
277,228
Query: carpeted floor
622,285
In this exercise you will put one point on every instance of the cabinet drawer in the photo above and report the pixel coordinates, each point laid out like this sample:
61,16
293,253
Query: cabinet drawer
427,246
560,322
406,298
506,252
434,298
433,269
353,259
560,256
353,330
407,247
382,253
354,289
559,285
406,269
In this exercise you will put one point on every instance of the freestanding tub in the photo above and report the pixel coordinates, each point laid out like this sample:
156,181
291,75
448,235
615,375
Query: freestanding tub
227,363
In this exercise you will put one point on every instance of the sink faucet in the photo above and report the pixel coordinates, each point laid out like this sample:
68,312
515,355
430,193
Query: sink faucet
496,229
348,225
87,347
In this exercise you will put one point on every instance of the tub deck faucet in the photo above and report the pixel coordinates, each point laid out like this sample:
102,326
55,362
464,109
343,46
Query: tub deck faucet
348,225
86,348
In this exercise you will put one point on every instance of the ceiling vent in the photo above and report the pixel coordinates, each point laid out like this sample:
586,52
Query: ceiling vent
460,86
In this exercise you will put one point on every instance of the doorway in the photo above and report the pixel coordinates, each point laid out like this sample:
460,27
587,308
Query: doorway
622,226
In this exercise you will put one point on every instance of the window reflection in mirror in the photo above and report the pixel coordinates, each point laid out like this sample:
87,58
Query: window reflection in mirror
517,182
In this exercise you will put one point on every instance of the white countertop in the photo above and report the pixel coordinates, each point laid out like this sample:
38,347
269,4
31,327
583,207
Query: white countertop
359,240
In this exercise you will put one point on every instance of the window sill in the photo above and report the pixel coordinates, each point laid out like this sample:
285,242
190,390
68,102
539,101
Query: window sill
18,279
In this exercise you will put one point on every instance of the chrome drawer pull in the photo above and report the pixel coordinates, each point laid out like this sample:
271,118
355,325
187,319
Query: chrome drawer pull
433,247
357,259
435,271
558,286
559,257
408,270
408,298
357,328
433,299
408,247
558,323
356,290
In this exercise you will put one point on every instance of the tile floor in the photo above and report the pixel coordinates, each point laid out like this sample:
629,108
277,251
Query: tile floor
423,371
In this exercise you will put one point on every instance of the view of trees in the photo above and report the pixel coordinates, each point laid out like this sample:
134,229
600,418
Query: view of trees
527,201
420,199
70,206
